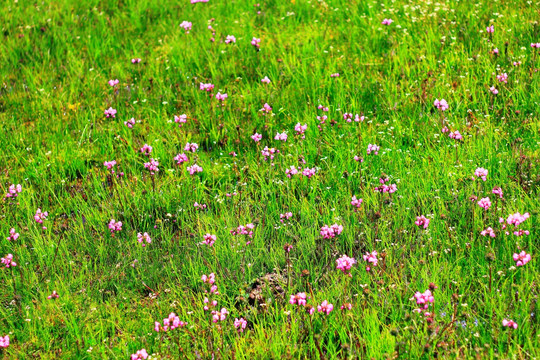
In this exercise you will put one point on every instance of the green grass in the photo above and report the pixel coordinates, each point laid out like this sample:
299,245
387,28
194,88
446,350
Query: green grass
56,59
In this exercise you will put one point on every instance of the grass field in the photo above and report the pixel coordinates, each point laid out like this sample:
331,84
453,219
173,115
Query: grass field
400,222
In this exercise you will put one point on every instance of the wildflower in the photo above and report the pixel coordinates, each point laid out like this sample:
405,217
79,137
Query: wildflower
309,172
300,129
503,78
493,90
13,235
269,153
113,83
193,147
169,323
455,135
291,171
265,80
146,149
180,120
199,206
115,226
323,108
516,63
488,232
221,97
4,341
142,238
371,258
110,165
240,324
181,158
206,87
209,279
285,216
495,51
14,191
282,136
484,203
346,306
40,216
193,169
481,173
152,166
509,323
522,258
141,354
219,315
334,75
359,118
490,29
356,202
186,25
424,299
135,60
516,219
347,117
209,239
345,264
441,104
325,307
387,21
110,112
54,295
256,137
256,43
266,109
358,159
129,123
287,248
8,261
230,39
298,299
373,148
244,230
422,221
497,191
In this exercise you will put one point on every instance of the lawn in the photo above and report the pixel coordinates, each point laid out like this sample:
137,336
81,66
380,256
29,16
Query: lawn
300,179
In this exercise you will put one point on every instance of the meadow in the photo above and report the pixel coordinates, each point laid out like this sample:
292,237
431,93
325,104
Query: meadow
294,179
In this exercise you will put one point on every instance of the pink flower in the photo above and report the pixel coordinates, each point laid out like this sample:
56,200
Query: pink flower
14,191
516,219
206,87
219,315
325,307
135,61
191,147
269,153
497,191
493,90
285,216
142,238
129,123
146,149
503,78
110,112
373,148
455,135
358,159
535,45
300,129
441,104
345,264
356,202
510,323
141,354
8,261
209,239
424,299
193,169
359,118
186,25
13,235
281,137
181,158
481,173
256,137
240,324
199,206
371,258
152,166
298,299
346,306
221,97
516,63
496,51
488,232
244,230
484,203
422,221
490,29
54,295
291,171
266,109
115,226
40,216
170,323
113,83
309,172
256,42
348,117
180,120
210,279
265,80
110,165
522,258
387,21
335,75
4,341
323,108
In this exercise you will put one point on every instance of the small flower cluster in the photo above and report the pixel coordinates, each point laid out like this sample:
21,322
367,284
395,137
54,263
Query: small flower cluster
330,232
345,264
371,259
143,238
7,260
169,323
14,191
115,226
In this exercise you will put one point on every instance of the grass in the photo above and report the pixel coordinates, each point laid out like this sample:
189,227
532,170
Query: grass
57,58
